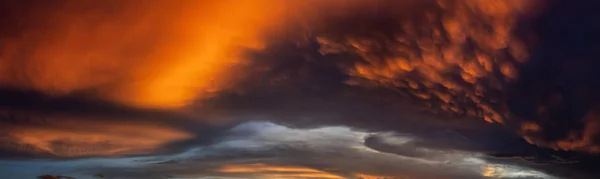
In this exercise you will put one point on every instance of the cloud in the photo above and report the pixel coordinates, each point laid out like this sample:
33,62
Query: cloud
468,59
35,124
172,78
478,60
72,138
421,56
155,54
264,149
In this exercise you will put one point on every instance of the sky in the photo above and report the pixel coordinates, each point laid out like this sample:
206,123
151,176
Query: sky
299,89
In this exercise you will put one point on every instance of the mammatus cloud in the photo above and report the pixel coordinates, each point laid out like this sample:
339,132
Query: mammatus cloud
461,58
452,56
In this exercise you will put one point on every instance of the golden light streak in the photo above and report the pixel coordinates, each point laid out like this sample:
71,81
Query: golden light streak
283,172
365,176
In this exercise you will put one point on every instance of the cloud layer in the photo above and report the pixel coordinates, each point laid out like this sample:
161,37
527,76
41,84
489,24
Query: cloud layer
468,89
263,149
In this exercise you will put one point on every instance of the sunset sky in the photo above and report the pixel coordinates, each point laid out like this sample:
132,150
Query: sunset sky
299,89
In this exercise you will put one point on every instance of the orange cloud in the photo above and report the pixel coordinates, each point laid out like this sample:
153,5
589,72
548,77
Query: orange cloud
156,54
78,138
201,52
150,54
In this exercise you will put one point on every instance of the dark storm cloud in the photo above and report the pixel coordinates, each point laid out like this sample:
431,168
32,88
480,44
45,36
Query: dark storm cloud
305,89
525,66
539,80
293,84
559,86
303,92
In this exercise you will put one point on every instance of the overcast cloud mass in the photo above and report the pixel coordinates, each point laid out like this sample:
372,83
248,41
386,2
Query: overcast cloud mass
299,89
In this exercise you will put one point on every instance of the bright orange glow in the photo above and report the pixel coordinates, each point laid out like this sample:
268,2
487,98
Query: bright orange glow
155,54
75,138
150,54
283,172
196,61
